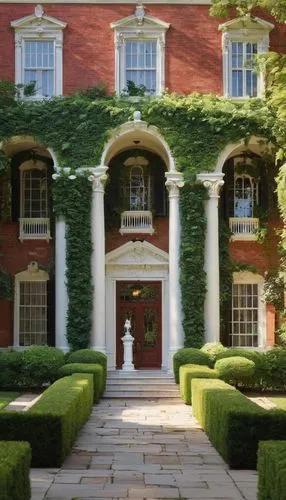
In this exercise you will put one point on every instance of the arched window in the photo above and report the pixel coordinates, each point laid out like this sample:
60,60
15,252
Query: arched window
245,195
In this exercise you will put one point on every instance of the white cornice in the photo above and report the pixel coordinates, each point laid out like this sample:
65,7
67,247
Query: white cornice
248,22
47,21
149,22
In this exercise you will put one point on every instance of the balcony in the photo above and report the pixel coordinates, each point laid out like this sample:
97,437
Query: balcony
243,228
34,229
136,221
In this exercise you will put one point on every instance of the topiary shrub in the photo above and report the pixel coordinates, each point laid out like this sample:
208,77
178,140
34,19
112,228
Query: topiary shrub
275,368
235,370
91,357
189,355
95,369
11,364
258,380
187,374
15,459
271,468
213,349
40,365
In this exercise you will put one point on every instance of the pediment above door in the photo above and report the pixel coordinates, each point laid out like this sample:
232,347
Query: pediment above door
137,254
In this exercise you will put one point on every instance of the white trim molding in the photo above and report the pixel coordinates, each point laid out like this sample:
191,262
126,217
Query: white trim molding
39,27
243,29
139,27
135,261
249,278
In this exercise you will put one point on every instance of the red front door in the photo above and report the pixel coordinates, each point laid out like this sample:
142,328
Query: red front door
140,302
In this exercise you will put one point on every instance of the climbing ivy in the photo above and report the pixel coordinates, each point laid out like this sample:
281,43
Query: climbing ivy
76,128
193,276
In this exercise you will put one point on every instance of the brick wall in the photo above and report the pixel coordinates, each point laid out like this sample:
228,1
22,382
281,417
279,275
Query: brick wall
193,44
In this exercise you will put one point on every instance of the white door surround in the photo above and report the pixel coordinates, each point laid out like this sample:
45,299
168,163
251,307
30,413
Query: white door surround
136,261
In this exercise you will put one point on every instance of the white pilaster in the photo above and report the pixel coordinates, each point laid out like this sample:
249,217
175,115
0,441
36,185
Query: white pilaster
60,285
98,179
213,182
176,337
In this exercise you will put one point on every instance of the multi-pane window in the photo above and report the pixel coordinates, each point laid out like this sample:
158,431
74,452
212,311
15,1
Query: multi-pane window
141,63
244,315
245,195
32,313
39,66
34,193
243,77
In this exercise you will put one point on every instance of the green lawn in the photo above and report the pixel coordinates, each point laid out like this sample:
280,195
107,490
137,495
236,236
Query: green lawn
280,401
7,397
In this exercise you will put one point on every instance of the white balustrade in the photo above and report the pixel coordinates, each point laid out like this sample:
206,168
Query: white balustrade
243,227
136,221
34,229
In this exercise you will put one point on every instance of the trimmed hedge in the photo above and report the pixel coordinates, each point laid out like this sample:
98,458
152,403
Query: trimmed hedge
52,424
95,370
271,467
213,349
189,355
187,373
233,423
90,357
32,367
15,459
236,370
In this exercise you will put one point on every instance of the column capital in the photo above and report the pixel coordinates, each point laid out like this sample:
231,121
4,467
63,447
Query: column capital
213,181
175,181
98,178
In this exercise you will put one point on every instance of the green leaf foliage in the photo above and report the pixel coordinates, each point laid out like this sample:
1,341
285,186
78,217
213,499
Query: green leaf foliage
187,374
234,424
271,468
95,369
235,370
15,459
189,355
90,356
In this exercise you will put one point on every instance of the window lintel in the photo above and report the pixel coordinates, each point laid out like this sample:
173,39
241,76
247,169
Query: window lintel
246,23
32,273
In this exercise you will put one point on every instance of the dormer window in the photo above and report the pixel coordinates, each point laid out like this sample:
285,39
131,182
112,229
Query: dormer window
242,40
140,52
38,53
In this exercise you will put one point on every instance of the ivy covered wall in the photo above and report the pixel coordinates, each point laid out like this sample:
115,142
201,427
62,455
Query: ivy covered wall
76,128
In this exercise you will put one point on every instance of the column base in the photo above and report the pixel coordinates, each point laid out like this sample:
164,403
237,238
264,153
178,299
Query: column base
99,348
172,351
63,348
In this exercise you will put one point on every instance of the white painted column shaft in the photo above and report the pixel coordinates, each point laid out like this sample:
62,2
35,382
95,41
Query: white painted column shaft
60,285
98,340
176,337
213,182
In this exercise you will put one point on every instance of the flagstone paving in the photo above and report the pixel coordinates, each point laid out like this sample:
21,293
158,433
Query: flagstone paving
143,449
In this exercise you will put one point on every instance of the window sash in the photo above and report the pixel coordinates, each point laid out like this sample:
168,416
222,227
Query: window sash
32,313
243,79
244,315
141,63
34,194
245,196
39,66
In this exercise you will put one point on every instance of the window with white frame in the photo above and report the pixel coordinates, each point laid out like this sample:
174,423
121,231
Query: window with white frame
242,40
247,327
140,52
34,192
245,195
39,66
30,307
38,53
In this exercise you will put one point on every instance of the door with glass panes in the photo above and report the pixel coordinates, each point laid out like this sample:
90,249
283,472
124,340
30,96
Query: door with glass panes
140,303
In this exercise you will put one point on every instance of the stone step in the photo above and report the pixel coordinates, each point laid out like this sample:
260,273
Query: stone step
142,387
140,394
140,381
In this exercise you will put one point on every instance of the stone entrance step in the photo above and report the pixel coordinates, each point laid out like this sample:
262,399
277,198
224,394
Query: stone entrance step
141,384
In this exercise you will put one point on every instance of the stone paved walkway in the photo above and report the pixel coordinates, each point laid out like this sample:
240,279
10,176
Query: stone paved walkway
143,449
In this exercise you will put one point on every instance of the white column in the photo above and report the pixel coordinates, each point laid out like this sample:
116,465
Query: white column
176,337
60,285
213,182
98,178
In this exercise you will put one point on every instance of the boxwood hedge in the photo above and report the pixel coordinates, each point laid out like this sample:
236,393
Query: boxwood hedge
271,467
95,369
52,424
15,459
234,424
90,357
189,355
187,373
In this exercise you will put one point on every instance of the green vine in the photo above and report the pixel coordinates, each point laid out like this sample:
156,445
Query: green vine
6,288
72,199
193,278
